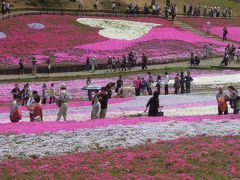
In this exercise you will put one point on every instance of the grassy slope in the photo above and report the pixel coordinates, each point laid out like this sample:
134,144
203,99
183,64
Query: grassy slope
235,4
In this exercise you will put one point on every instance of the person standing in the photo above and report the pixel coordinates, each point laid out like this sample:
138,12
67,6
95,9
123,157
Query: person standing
93,63
89,91
182,82
44,93
149,83
144,86
153,104
176,84
109,63
208,28
48,62
103,102
16,91
52,94
238,53
15,113
159,83
8,7
144,61
31,102
137,86
88,66
124,63
119,84
188,81
113,7
34,66
225,33
234,99
96,107
221,100
21,67
166,81
63,103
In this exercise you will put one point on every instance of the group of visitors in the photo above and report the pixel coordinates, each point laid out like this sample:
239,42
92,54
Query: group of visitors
229,56
196,10
34,66
5,8
233,98
33,101
182,84
116,63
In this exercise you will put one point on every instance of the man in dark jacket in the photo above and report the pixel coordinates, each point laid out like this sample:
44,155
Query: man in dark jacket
104,102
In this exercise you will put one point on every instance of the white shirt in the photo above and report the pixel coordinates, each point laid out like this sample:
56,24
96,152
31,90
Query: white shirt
14,107
166,81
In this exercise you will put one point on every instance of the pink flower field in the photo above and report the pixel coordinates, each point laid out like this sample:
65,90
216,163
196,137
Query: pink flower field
233,26
67,41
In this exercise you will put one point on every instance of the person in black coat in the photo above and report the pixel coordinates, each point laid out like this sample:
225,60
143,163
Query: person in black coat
153,104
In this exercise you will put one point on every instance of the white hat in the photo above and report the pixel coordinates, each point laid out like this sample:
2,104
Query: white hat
63,85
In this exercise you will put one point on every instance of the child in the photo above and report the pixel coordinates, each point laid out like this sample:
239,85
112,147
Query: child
52,93
96,107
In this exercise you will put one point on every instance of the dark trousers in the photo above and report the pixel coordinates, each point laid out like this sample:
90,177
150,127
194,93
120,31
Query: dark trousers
221,112
182,89
188,88
89,95
123,66
166,89
21,71
159,89
236,111
137,91
52,100
149,89
144,66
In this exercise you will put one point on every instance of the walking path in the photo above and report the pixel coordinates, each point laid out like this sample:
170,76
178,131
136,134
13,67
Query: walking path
204,64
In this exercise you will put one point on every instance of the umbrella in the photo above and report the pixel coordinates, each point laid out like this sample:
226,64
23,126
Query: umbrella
92,87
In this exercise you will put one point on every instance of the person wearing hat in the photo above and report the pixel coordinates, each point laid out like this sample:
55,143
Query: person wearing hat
63,103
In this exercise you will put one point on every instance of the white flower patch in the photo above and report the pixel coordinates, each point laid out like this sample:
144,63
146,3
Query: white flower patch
2,35
36,26
60,143
119,29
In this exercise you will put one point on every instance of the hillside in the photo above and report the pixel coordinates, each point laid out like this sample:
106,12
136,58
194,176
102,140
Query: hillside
106,4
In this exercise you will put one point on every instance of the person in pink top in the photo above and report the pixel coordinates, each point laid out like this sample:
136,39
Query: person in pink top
137,86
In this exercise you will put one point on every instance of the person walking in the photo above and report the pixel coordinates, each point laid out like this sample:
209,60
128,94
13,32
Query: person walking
153,105
109,63
225,33
221,100
188,81
62,103
104,102
15,113
234,99
166,81
124,63
34,66
137,86
96,107
208,28
21,67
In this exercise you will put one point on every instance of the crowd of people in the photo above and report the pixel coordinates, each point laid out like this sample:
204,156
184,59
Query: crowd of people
197,10
229,56
5,7
118,64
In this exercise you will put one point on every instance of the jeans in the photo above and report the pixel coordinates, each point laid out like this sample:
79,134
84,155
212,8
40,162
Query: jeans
166,89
